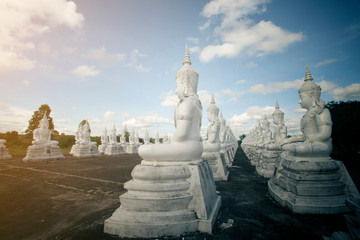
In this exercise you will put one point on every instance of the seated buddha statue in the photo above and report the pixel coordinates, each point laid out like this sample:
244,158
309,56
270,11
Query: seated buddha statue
186,142
104,137
316,124
42,135
212,143
112,137
147,137
280,131
266,134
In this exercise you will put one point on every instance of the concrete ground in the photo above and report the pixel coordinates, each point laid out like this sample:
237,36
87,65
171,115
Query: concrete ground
71,198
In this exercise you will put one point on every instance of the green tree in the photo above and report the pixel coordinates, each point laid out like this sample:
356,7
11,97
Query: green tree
345,130
37,116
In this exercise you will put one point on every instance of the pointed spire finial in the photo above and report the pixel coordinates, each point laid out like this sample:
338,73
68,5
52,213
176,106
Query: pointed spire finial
212,99
308,76
277,105
187,56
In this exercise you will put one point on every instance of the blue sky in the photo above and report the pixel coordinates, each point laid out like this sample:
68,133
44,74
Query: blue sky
114,62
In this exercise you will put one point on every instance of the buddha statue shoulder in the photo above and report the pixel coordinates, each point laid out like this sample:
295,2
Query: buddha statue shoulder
316,124
185,143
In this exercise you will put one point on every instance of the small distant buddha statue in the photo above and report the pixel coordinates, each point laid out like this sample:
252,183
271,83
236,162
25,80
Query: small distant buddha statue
157,138
212,143
122,137
147,137
132,137
222,128
42,135
166,139
266,130
316,124
280,131
113,137
104,137
186,142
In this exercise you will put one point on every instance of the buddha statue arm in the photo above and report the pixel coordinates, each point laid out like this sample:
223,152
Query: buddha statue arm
184,120
298,138
211,134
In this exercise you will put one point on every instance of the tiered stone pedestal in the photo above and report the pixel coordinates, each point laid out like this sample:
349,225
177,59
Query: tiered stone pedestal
132,148
166,198
266,165
114,149
82,150
43,153
311,185
4,154
102,148
217,164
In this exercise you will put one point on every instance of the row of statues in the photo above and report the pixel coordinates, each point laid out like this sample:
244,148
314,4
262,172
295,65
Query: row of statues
302,175
173,190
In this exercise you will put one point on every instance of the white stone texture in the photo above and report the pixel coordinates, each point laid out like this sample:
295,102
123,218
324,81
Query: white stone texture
4,153
83,147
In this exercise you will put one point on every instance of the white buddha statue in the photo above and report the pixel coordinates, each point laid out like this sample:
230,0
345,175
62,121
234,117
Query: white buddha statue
42,135
212,146
113,137
43,147
266,131
4,153
305,178
83,146
172,190
280,131
165,139
123,138
104,138
104,141
157,138
316,124
212,142
146,137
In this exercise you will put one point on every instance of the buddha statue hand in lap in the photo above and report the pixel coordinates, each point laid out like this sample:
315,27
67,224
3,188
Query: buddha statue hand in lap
316,124
186,141
212,143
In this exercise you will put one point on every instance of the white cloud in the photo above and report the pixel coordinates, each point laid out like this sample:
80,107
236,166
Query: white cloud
251,65
205,98
293,125
193,40
169,99
101,56
26,82
85,71
150,120
22,21
300,110
276,87
14,118
109,116
253,113
234,94
325,62
351,92
133,63
240,81
194,49
238,34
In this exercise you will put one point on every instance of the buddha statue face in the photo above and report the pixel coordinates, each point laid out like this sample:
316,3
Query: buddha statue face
44,124
180,90
306,100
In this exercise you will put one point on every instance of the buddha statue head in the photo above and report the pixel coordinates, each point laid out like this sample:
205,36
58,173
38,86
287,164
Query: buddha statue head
265,124
44,122
213,111
309,93
186,78
278,115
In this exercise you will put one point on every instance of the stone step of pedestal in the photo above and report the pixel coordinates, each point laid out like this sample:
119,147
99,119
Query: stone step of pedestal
354,205
353,224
